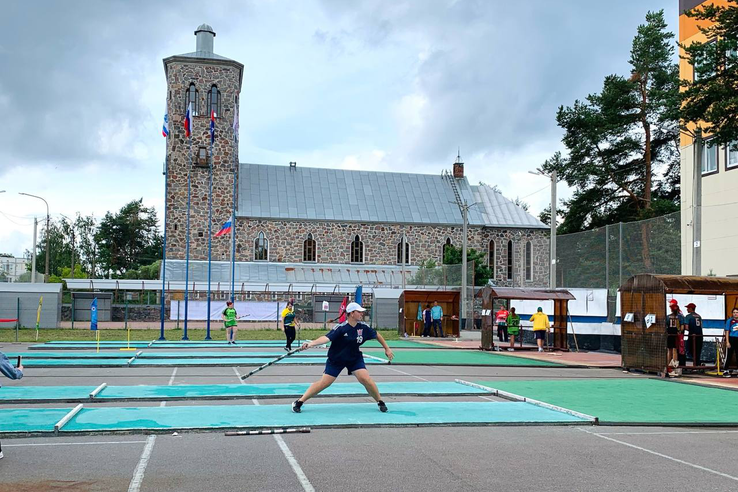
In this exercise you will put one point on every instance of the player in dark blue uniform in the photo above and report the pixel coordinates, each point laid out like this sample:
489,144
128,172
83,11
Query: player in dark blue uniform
344,352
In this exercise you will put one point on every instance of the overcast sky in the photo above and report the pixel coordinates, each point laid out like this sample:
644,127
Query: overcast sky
379,85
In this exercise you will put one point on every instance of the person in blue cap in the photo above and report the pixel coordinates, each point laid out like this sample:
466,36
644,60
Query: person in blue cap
10,372
344,353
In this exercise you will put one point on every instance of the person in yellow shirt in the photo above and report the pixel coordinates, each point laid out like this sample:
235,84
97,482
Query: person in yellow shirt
540,327
289,322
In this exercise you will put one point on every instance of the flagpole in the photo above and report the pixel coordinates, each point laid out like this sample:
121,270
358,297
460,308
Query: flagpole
164,243
187,243
233,213
210,222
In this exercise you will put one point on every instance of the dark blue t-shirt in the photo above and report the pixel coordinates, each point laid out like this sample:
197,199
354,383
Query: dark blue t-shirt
731,326
346,340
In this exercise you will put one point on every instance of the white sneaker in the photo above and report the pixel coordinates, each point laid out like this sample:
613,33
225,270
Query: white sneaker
1,455
511,349
540,349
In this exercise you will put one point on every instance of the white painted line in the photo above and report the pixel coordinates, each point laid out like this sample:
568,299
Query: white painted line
306,485
174,373
377,358
97,390
91,443
138,474
731,477
665,433
58,426
486,398
524,399
408,374
238,375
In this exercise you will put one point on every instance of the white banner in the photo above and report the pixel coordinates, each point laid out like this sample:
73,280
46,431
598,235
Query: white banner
247,310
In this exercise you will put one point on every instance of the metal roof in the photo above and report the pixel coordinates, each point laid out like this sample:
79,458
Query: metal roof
525,294
52,288
304,193
681,284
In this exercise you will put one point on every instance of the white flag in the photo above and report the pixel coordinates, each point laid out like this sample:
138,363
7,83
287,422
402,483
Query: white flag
235,122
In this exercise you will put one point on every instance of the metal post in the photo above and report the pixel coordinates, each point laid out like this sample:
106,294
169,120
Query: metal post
73,304
404,260
697,205
17,316
33,254
620,256
164,245
187,246
210,236
125,316
464,212
607,258
552,281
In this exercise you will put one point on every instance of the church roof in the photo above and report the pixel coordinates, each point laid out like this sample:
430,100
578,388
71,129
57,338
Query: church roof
304,193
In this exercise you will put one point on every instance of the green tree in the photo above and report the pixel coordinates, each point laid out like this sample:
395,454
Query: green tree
129,238
454,256
623,142
711,99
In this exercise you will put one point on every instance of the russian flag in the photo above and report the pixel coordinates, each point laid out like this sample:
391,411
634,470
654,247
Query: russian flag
212,127
188,121
165,128
224,230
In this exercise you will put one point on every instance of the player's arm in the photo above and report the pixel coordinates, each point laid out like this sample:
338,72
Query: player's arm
387,350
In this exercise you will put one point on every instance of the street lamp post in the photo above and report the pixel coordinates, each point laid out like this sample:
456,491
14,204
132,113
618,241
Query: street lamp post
554,180
48,219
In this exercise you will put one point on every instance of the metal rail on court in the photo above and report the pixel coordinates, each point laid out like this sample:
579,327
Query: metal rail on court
299,430
514,397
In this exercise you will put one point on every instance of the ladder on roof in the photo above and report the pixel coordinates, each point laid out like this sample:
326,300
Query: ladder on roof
455,189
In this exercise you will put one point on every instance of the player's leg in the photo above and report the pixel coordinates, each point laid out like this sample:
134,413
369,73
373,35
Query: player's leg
330,375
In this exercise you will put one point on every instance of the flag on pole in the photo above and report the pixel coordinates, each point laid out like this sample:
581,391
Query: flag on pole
420,312
93,315
224,230
357,296
165,128
342,310
235,122
188,121
38,312
212,127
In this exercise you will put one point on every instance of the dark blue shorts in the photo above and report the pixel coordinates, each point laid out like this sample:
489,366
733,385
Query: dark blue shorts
334,369
540,334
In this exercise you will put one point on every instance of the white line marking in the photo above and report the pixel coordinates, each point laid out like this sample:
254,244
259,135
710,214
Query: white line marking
661,455
408,374
488,398
174,373
665,433
138,475
291,460
238,375
72,443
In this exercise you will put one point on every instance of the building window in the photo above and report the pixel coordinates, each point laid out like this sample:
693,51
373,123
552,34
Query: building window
703,71
214,101
528,261
261,248
399,252
357,250
191,96
308,248
491,256
447,245
709,158
510,260
731,155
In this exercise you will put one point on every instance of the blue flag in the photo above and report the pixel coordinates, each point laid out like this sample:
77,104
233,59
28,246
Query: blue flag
358,295
93,315
420,312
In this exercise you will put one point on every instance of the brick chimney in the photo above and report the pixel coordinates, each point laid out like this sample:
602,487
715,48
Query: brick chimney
458,167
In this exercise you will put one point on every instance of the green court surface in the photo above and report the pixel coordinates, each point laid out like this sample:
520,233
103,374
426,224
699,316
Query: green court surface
633,401
152,419
38,394
456,357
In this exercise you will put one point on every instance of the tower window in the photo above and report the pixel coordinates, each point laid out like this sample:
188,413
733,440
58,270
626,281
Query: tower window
261,248
191,96
357,250
399,252
308,248
214,101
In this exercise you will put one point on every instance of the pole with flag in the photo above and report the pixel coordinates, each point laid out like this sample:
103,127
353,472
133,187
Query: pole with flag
93,321
165,134
38,315
188,134
210,218
233,213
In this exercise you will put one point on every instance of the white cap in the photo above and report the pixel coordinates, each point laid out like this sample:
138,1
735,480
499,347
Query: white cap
354,307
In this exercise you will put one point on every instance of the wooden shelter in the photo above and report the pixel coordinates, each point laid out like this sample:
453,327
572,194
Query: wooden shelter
644,340
449,300
560,298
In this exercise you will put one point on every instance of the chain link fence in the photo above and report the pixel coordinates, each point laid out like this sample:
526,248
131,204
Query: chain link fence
606,257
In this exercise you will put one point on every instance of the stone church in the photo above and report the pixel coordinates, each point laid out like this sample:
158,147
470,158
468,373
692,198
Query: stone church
323,226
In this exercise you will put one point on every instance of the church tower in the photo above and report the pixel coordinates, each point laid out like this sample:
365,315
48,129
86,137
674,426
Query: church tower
211,83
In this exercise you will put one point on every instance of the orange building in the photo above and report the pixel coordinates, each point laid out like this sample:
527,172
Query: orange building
715,191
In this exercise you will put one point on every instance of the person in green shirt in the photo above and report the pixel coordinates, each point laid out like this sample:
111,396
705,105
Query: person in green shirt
513,327
230,321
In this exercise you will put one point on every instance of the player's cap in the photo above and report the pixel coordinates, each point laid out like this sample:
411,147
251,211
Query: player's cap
353,306
691,305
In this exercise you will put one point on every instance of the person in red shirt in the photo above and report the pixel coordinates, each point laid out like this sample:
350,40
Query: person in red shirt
501,320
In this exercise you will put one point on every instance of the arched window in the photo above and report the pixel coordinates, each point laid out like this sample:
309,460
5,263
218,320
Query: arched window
510,260
261,248
399,252
491,256
528,261
357,250
308,248
191,96
446,246
214,100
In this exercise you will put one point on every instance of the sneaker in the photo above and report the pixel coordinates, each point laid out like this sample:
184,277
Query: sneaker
511,349
1,455
382,406
726,374
287,349
540,349
297,406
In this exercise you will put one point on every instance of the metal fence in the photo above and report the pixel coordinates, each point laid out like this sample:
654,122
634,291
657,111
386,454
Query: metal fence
607,256
440,276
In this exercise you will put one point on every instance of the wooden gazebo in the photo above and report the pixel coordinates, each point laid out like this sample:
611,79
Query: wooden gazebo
644,341
560,298
408,321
